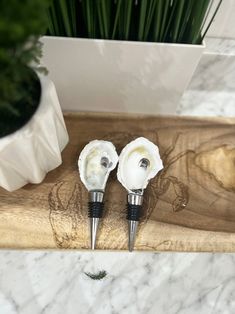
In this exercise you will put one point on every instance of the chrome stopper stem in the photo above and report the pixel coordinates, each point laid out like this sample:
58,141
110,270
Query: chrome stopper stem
134,205
96,207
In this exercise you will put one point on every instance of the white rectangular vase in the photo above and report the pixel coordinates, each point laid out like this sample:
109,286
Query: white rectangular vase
119,76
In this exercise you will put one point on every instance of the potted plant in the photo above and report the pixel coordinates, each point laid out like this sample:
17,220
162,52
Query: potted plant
32,129
125,55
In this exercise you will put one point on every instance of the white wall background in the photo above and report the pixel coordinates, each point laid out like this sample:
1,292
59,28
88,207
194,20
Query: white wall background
224,23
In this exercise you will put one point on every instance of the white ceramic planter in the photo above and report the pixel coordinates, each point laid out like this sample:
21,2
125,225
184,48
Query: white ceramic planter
29,153
119,76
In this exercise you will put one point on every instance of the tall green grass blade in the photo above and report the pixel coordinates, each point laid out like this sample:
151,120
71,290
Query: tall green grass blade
143,12
87,17
50,24
178,20
72,16
206,15
162,11
103,9
167,31
203,8
211,20
106,11
184,21
90,18
122,23
100,19
158,20
200,8
55,19
65,17
149,18
183,26
117,17
128,9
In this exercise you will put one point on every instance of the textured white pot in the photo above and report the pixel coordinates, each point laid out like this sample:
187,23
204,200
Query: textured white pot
29,153
119,76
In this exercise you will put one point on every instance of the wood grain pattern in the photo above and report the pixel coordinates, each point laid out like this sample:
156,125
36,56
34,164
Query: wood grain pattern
190,206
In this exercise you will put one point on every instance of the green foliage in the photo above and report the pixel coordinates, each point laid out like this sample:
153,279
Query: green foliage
21,22
174,21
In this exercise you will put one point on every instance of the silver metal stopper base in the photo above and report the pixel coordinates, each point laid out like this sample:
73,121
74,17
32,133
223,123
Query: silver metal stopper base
135,201
96,207
94,223
132,229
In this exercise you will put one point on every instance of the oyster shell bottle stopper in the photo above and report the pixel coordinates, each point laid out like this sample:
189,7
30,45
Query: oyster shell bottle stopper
139,162
96,161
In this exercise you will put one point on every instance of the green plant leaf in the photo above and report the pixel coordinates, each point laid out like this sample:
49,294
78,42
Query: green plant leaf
63,5
117,16
128,11
177,21
162,13
142,20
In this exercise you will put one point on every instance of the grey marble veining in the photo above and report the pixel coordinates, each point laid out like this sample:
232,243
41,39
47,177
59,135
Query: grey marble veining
212,88
222,46
169,283
44,282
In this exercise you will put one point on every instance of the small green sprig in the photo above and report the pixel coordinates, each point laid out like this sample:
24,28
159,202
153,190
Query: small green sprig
97,276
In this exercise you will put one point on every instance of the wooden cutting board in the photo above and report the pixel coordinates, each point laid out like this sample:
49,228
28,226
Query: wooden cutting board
189,206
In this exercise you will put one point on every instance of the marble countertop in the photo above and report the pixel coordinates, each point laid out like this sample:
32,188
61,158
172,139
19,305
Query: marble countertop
65,282
212,88
169,283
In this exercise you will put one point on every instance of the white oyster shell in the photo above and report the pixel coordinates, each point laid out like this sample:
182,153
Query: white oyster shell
131,175
97,159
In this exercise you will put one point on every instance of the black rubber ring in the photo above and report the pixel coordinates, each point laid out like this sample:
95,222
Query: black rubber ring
133,212
95,209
